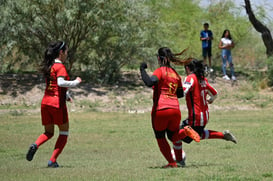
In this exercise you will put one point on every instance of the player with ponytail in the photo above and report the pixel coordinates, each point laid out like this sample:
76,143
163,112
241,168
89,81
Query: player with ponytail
166,115
199,93
53,106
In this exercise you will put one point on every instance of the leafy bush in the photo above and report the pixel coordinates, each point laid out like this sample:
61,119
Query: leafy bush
103,36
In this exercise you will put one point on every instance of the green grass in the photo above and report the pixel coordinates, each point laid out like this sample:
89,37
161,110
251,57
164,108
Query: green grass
121,146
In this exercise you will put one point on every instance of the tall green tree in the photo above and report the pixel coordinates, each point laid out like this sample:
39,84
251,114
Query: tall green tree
266,37
103,35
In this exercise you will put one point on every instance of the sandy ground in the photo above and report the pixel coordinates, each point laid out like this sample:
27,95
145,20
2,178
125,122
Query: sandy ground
24,93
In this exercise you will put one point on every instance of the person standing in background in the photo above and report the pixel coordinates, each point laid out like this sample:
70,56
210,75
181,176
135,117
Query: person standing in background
226,44
206,36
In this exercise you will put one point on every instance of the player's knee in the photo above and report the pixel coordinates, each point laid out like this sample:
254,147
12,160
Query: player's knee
49,135
159,134
170,135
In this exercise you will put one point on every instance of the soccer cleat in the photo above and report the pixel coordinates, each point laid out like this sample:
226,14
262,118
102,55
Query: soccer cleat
170,165
181,163
52,164
192,134
228,136
32,150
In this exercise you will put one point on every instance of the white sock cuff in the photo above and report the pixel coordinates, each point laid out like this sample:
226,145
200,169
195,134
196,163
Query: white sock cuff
175,147
64,133
206,134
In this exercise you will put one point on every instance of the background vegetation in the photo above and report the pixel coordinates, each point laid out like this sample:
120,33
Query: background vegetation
110,131
105,38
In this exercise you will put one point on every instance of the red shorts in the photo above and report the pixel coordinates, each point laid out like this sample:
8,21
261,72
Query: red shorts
166,119
53,115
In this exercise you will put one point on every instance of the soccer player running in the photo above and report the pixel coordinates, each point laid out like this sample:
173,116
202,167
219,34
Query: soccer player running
53,106
166,115
199,93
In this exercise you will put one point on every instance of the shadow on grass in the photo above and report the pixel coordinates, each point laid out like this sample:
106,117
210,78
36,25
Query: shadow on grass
15,84
193,165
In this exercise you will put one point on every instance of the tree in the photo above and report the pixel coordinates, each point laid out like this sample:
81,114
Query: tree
33,24
261,28
266,37
103,35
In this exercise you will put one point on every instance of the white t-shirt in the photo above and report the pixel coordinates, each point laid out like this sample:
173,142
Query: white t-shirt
226,41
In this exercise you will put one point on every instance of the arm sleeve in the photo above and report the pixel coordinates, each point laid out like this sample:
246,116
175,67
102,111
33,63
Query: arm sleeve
149,81
65,83
187,85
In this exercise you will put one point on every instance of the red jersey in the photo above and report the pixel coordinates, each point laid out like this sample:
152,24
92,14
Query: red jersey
55,96
196,97
164,96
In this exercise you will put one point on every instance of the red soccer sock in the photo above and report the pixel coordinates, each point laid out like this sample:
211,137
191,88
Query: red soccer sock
210,134
177,147
179,136
60,144
43,138
165,149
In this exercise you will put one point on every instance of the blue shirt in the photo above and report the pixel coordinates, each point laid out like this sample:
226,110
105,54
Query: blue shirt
205,34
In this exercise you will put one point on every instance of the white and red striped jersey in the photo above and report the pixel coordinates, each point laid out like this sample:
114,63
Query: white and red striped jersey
197,99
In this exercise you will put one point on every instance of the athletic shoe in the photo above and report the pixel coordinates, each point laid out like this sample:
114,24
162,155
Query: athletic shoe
31,151
170,165
192,134
181,163
233,78
228,136
52,164
226,77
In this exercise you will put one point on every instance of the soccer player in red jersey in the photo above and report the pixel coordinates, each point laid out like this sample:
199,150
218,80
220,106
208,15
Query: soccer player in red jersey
166,114
197,90
53,106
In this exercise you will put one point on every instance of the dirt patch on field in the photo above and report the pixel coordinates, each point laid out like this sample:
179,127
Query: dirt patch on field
24,93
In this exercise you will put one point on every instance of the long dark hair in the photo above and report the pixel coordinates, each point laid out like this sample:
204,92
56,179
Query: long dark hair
229,35
51,53
166,56
197,67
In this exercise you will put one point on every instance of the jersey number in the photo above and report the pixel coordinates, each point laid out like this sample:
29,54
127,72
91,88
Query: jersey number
172,88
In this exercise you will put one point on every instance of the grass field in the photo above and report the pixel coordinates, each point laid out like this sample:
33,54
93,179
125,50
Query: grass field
121,146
